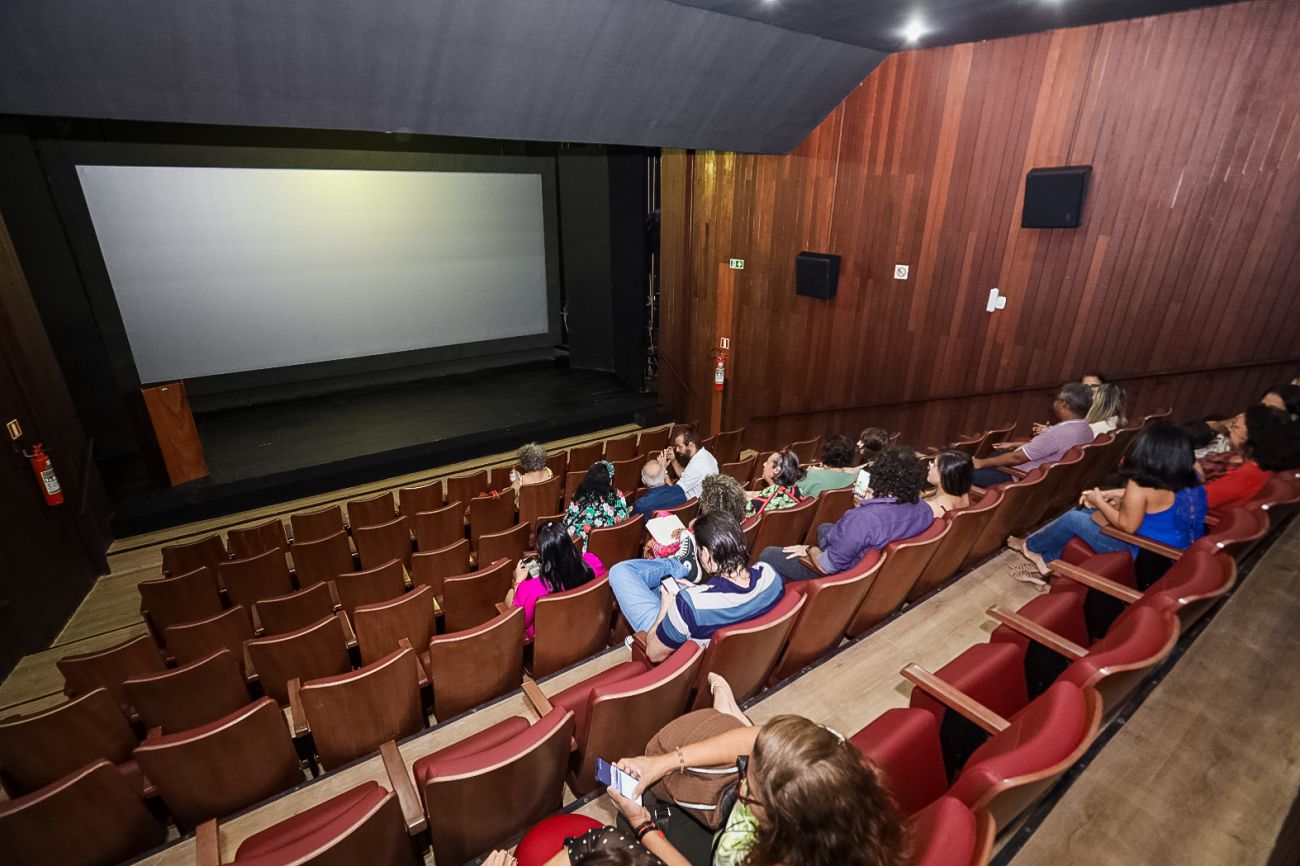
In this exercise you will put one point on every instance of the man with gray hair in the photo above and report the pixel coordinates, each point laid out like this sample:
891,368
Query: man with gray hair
1071,409
653,474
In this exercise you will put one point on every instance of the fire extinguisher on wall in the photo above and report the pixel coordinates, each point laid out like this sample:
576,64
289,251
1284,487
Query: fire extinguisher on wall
45,472
720,371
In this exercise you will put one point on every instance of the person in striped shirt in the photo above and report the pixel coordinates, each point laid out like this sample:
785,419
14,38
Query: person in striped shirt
659,598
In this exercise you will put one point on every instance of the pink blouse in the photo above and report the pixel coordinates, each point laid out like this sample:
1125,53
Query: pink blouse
531,590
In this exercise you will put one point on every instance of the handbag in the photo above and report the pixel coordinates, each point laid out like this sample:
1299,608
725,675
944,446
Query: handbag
707,793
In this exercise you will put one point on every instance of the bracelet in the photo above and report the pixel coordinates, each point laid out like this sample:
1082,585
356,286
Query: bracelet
644,829
681,761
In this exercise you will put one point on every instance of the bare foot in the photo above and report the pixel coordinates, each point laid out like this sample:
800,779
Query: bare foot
1037,561
723,699
1016,544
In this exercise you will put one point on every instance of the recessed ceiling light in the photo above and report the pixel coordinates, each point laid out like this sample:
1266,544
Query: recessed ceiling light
914,30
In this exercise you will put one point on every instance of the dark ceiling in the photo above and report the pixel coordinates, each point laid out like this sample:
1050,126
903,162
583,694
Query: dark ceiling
745,75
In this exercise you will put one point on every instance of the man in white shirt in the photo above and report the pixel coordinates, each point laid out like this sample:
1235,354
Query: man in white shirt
691,463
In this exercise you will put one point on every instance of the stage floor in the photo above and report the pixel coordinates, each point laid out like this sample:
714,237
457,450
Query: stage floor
259,455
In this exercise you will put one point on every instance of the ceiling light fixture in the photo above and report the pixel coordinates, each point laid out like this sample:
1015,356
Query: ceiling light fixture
914,30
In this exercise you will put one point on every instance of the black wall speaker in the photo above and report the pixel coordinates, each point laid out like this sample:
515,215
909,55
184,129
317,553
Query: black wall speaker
816,275
1054,197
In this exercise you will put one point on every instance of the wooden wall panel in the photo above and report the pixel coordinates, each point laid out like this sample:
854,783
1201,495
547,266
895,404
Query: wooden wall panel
1181,281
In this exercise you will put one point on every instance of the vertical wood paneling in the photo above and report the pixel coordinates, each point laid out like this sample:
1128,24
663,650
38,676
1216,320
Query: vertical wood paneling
1186,260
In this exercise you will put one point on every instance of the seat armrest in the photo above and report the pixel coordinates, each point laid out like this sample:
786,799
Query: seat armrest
1013,471
1028,628
297,715
258,629
977,492
502,607
1212,519
348,633
1147,544
537,700
153,733
207,844
250,672
954,699
399,779
1095,581
640,647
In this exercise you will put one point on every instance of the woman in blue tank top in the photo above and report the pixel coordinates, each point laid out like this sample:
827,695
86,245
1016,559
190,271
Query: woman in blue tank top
1163,501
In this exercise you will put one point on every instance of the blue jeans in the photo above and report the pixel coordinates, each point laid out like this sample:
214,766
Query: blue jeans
636,586
991,475
668,496
1050,541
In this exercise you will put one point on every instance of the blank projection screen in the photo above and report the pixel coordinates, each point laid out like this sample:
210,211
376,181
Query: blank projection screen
224,270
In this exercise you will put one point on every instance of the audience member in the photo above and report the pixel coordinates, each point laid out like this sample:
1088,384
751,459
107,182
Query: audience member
691,463
951,474
732,591
871,442
1107,412
1267,441
596,503
1284,397
723,493
781,476
807,796
836,469
1092,380
653,474
1206,436
557,566
892,510
1070,407
531,468
1163,501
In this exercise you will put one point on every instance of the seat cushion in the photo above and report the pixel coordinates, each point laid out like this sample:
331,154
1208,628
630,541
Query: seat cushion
904,746
1060,612
576,698
500,733
547,837
303,833
943,834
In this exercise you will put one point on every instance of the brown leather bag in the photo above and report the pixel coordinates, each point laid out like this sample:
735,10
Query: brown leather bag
708,793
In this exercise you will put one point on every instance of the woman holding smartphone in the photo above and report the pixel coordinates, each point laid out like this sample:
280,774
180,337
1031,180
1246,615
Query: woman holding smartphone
556,567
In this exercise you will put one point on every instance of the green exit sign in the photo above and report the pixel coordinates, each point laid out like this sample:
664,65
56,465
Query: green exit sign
737,264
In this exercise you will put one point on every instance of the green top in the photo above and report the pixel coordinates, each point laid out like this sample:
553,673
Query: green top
818,481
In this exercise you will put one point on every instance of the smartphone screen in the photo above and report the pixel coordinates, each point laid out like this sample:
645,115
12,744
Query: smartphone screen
671,585
862,484
613,777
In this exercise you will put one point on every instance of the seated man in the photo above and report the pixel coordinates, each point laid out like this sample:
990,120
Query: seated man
691,463
1050,444
670,615
653,474
892,509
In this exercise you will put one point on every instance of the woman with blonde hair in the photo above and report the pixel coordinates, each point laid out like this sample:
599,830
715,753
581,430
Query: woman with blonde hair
1107,412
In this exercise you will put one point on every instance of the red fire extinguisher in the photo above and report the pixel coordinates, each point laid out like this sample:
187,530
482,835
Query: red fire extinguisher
720,371
45,472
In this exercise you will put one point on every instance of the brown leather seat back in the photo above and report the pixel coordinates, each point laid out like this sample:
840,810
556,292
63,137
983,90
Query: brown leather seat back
89,817
1015,495
463,488
295,610
323,559
107,668
190,695
474,666
416,500
438,527
627,473
506,544
831,505
569,626
243,543
430,567
994,434
353,714
371,585
582,456
807,450
47,745
784,526
184,598
372,511
380,543
195,640
183,558
538,499
380,626
223,766
621,448
613,544
491,513
905,559
265,575
315,525
830,605
319,650
727,448
471,599
744,654
967,524
741,470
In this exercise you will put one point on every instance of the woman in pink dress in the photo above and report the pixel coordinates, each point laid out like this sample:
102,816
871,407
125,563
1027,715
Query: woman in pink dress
556,567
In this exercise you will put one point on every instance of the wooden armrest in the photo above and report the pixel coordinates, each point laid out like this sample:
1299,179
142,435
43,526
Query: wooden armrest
1013,471
348,633
954,699
1147,544
1094,581
250,672
334,594
807,562
400,780
405,643
207,844
297,715
641,647
258,629
1037,633
153,733
1009,445
1212,519
502,607
536,699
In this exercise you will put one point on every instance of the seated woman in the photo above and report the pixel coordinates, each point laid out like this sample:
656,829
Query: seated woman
731,590
723,493
1163,501
1284,397
891,510
532,468
1107,412
781,476
1267,440
871,443
835,471
951,474
556,567
595,504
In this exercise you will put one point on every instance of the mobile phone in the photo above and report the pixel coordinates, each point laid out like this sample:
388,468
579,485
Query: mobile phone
862,484
612,777
671,585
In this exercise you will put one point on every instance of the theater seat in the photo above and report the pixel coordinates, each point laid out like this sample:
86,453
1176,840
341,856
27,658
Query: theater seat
744,654
948,833
45,746
830,604
361,825
547,837
569,626
904,745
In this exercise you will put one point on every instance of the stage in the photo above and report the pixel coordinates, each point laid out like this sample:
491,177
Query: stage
259,455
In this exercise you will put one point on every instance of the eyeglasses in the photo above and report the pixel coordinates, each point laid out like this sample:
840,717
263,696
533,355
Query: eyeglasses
742,793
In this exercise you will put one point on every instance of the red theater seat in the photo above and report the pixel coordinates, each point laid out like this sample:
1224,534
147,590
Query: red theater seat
108,668
569,626
830,604
183,558
948,833
243,543
323,559
314,525
905,559
746,653
904,745
547,837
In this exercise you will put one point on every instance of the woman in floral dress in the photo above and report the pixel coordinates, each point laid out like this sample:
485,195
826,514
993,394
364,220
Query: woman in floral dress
595,504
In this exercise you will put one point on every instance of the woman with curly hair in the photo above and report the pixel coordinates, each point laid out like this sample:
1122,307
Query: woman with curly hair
595,503
892,509
871,444
723,493
836,470
781,477
530,468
